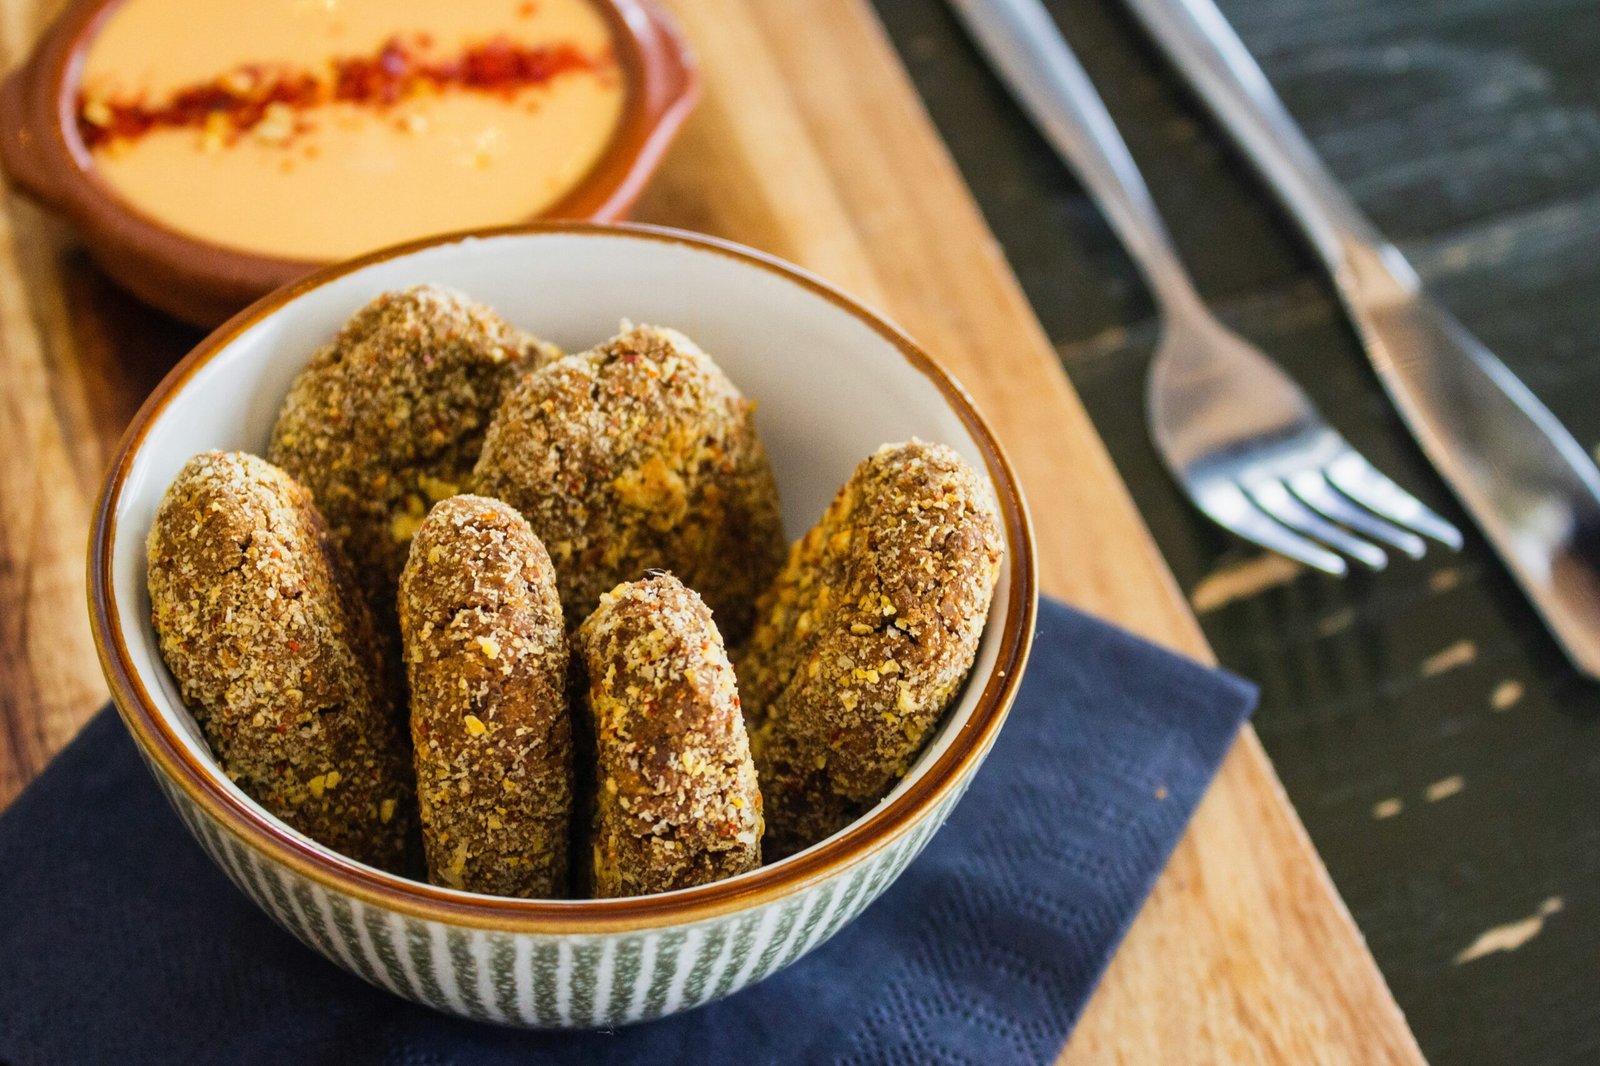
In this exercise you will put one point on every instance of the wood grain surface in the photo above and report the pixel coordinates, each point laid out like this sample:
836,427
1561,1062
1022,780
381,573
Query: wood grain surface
1440,751
810,144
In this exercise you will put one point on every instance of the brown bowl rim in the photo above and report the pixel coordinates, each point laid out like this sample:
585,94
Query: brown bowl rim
266,835
43,154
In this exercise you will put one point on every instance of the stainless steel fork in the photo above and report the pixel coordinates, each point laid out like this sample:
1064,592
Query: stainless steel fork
1530,486
1243,439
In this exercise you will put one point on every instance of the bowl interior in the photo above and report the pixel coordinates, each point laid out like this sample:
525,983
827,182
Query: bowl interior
831,385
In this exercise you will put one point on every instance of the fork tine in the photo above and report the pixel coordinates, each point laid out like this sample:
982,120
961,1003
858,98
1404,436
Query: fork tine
1361,481
1229,507
1275,498
1312,487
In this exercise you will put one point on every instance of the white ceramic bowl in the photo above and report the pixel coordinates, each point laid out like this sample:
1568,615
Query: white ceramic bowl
833,381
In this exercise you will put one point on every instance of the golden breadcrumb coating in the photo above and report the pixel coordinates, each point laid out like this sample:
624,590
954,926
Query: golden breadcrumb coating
865,638
676,802
275,654
639,454
486,655
390,417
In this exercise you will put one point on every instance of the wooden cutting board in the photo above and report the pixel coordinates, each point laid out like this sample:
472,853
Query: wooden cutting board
809,144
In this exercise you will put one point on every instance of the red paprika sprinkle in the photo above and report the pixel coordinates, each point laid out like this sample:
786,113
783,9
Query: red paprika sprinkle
240,99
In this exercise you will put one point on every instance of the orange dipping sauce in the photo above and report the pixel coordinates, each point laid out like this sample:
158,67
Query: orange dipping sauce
321,129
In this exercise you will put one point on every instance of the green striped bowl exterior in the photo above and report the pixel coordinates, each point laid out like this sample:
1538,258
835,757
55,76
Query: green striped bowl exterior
545,981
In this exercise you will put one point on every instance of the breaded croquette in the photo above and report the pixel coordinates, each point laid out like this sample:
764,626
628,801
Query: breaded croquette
486,655
865,637
676,802
640,454
390,418
275,653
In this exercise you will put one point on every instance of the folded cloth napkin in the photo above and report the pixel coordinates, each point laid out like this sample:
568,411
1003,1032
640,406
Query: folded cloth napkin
120,942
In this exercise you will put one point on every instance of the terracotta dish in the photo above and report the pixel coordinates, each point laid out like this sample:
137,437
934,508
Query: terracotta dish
51,124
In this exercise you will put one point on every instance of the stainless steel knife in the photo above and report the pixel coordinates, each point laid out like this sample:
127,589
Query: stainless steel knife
1531,487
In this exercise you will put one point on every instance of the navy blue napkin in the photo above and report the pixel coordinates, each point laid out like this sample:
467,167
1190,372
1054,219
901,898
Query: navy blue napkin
120,942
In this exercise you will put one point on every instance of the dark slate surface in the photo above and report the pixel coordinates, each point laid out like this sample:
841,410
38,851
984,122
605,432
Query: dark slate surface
1444,758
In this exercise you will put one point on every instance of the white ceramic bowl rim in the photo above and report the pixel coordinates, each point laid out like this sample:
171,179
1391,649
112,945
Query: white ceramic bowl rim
173,755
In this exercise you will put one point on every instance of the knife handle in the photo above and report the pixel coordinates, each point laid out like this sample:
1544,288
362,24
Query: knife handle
1208,52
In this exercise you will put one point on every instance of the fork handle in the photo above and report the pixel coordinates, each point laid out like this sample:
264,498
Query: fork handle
1022,40
1205,48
